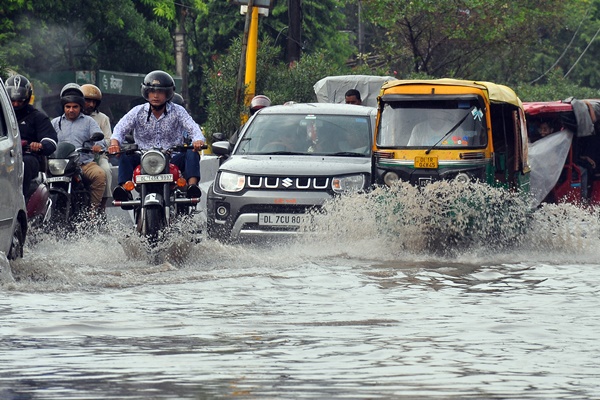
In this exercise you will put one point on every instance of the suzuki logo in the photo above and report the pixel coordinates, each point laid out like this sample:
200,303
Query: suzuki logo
287,182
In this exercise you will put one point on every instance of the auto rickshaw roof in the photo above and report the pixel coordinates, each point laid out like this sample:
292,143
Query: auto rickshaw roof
545,107
585,113
496,93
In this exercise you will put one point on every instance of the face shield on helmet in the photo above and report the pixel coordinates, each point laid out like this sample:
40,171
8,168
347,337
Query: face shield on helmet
158,80
19,89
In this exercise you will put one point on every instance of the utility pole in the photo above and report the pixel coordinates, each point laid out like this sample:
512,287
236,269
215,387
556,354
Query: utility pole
294,42
361,30
181,53
247,72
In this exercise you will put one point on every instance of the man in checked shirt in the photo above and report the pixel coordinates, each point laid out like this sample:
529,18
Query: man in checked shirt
159,123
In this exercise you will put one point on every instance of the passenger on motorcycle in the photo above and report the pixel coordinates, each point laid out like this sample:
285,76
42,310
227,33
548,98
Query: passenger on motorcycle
77,128
93,98
158,124
35,128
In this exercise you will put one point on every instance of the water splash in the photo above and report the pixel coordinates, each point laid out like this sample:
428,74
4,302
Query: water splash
449,219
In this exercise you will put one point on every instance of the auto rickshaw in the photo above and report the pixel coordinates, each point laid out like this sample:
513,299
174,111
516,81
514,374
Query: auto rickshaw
448,129
563,163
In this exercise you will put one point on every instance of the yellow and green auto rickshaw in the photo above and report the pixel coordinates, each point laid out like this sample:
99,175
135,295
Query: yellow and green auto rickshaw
448,129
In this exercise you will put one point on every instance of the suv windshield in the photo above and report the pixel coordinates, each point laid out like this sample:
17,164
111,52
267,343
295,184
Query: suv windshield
433,123
307,135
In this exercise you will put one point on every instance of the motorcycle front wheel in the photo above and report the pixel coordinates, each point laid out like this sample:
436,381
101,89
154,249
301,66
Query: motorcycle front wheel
153,224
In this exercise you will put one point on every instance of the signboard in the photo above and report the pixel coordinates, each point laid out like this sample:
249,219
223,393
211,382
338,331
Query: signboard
124,83
255,3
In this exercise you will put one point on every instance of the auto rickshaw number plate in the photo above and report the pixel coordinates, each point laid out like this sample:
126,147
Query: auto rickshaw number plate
426,162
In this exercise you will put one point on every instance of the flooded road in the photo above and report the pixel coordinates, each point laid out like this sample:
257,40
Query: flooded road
346,315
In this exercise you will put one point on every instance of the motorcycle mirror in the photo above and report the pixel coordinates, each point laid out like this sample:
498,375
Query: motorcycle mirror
97,136
218,137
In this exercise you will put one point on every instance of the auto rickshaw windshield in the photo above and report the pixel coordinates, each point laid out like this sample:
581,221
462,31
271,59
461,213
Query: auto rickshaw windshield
446,123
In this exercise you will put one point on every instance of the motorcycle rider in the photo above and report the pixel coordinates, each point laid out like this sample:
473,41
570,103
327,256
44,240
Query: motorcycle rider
159,123
93,97
35,128
76,128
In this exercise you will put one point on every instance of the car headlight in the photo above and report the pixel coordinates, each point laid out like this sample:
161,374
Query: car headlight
231,182
351,183
57,166
153,162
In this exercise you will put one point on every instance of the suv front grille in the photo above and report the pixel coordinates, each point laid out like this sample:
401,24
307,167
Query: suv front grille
287,183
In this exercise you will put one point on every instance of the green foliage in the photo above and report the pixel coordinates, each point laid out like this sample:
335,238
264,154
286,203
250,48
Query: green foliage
473,39
275,79
557,88
224,113
112,34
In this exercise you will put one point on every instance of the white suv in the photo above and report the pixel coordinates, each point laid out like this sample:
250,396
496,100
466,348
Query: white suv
13,215
287,161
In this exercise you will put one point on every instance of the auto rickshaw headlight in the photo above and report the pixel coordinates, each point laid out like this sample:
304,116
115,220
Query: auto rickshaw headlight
390,178
462,178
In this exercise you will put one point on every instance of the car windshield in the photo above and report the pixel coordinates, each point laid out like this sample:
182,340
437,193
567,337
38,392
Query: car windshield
433,123
307,134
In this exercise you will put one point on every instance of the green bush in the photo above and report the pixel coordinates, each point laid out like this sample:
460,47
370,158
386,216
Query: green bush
275,79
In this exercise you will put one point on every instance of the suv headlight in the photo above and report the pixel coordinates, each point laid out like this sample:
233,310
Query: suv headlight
230,182
351,183
153,162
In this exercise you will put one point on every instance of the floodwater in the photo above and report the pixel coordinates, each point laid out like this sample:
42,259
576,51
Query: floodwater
369,306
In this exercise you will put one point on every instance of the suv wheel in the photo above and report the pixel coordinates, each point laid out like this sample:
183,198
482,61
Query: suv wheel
16,247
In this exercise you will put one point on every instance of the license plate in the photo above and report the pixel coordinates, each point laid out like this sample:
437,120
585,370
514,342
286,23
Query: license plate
426,162
154,178
59,179
281,219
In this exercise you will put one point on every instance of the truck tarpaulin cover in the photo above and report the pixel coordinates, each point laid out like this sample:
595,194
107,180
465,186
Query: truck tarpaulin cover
332,89
546,158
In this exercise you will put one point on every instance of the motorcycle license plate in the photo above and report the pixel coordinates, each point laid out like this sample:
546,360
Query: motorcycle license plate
281,219
154,178
426,162
59,179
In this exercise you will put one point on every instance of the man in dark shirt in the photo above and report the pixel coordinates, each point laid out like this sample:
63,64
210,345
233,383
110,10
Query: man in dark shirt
35,127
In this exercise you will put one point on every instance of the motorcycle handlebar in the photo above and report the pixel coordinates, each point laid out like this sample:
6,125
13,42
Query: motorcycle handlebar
130,148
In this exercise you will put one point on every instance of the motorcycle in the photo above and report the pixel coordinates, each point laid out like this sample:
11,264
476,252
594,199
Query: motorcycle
69,194
163,193
37,195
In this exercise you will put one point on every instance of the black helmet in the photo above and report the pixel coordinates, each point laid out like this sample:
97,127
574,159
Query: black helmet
72,93
19,88
158,80
178,99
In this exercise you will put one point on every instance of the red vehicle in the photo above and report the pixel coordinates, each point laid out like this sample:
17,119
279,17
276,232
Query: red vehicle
563,163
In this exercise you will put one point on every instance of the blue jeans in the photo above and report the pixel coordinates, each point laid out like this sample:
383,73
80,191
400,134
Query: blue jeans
188,162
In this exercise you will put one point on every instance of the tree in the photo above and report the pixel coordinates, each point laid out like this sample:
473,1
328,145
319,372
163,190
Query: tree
462,38
112,34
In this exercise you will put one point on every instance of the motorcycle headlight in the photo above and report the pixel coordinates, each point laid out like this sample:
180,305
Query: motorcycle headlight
57,166
351,183
231,182
153,162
